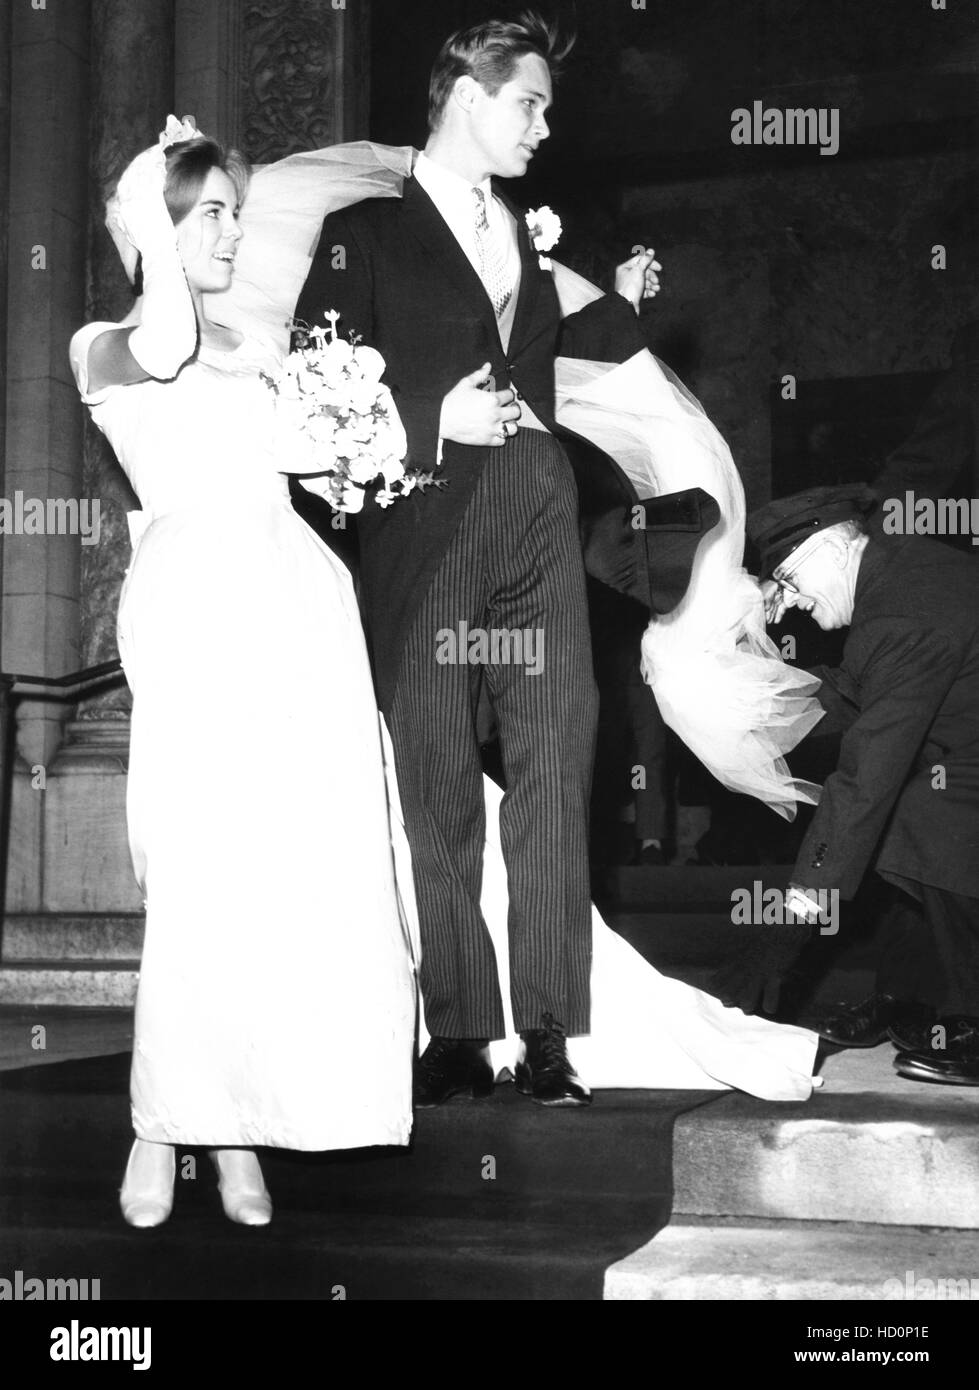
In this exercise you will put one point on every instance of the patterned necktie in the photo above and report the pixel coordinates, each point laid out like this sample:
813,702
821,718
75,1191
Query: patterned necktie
492,264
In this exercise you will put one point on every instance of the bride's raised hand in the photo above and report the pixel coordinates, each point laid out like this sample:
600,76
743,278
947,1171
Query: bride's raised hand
138,208
165,336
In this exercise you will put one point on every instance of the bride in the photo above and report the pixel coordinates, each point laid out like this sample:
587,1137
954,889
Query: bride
276,1001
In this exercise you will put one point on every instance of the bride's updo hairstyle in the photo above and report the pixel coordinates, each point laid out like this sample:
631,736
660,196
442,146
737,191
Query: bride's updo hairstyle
490,52
188,165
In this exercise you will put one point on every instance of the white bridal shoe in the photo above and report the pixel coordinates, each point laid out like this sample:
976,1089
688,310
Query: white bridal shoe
146,1198
244,1195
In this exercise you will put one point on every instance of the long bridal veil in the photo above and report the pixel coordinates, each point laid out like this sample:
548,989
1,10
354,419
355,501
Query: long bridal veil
719,680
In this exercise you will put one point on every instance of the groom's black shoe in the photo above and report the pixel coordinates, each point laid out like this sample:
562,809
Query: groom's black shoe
450,1066
546,1073
875,1019
951,1057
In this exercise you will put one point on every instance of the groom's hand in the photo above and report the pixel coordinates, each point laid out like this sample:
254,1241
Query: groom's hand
473,415
636,279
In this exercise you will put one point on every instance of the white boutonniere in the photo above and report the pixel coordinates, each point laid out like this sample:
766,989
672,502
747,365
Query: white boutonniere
545,229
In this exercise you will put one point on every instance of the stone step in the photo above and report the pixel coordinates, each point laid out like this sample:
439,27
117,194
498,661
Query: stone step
62,937
82,983
685,887
790,1261
868,1147
33,1034
81,960
684,942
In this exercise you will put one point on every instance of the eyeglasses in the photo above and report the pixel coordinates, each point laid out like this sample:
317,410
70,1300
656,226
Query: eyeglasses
786,583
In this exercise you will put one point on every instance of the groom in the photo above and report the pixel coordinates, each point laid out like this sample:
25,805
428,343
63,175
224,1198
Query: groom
445,284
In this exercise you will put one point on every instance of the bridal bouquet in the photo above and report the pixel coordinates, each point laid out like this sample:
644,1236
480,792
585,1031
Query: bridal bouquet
336,423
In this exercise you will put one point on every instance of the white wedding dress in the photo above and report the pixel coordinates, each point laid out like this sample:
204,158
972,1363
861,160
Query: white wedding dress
276,1000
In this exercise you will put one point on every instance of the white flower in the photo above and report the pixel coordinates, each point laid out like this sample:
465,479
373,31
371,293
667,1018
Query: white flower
338,353
362,469
321,429
370,362
334,363
545,228
392,469
351,498
346,444
361,397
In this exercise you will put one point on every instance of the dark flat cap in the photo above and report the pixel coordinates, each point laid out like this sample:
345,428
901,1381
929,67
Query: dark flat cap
782,525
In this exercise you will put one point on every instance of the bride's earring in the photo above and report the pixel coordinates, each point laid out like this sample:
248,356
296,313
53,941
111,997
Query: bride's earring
146,1198
244,1195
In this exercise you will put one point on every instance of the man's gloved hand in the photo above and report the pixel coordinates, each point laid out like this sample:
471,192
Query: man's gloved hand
753,980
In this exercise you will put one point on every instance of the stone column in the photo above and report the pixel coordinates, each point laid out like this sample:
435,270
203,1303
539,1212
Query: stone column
46,146
206,48
5,35
131,95
46,276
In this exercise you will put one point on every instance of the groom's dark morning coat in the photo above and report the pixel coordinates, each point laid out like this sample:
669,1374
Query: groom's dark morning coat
398,277
498,546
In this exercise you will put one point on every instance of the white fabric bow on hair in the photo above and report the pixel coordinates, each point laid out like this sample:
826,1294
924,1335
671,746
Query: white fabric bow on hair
139,193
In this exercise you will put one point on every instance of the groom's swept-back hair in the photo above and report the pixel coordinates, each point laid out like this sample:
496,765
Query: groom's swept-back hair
489,53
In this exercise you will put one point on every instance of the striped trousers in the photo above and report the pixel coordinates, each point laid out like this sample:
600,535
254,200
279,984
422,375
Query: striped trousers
513,567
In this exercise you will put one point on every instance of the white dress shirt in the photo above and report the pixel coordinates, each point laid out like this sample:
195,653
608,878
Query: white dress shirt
453,196
453,199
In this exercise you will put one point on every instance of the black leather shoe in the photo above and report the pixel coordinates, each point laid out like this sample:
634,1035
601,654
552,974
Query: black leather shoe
545,1073
450,1067
911,1028
955,1064
878,1017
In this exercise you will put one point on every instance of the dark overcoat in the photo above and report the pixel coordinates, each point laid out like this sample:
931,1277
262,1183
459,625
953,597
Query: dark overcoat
905,794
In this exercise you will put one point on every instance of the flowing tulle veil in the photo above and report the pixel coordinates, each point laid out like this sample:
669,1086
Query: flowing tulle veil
718,679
